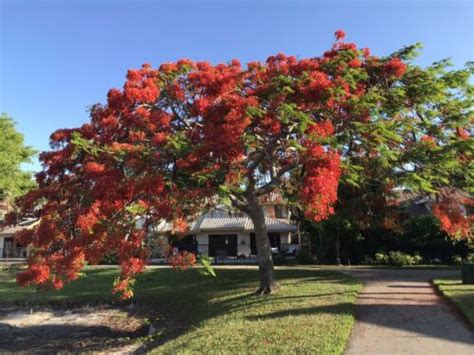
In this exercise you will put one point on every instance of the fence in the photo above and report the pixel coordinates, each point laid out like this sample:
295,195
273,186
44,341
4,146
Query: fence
243,255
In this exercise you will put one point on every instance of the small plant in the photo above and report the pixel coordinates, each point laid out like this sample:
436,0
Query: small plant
381,258
417,258
456,259
470,258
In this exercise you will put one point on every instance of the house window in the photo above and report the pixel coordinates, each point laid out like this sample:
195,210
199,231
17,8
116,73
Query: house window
281,211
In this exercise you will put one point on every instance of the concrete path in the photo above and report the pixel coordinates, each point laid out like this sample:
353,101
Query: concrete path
398,312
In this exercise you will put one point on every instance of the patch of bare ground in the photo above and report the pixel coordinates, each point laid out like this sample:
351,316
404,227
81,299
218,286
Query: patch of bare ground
79,329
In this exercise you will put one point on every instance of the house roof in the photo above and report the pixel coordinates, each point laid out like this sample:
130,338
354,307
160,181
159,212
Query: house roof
10,231
213,224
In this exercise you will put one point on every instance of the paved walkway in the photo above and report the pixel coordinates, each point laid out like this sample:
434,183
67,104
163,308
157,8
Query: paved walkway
398,312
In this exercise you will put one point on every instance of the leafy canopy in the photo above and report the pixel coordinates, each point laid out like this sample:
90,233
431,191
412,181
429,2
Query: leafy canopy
13,152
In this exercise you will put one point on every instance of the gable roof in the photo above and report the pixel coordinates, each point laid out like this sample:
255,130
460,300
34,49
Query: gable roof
214,224
10,231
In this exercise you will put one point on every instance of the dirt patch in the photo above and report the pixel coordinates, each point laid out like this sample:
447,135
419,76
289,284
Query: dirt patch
49,329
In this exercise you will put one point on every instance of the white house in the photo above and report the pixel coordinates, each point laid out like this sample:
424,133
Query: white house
9,249
226,233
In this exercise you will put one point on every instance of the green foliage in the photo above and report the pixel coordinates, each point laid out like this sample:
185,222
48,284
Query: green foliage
396,258
13,152
401,259
416,236
470,258
110,259
381,258
206,264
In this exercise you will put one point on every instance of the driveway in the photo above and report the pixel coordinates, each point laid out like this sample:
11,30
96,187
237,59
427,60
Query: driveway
398,312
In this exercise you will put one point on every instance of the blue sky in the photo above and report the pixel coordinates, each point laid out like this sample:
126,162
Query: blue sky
59,57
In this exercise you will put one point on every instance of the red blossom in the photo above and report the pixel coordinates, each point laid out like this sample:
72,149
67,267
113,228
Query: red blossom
340,35
94,168
450,213
395,67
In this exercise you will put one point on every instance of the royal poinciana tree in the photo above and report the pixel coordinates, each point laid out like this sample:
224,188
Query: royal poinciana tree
190,135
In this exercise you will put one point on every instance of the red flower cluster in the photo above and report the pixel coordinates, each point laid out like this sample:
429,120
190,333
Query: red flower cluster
181,260
395,67
340,35
453,219
320,184
94,168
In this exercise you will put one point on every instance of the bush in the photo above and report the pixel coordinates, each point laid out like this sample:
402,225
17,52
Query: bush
470,258
417,258
109,259
401,259
395,258
381,258
456,259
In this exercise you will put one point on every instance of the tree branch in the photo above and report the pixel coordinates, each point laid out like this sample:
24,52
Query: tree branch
239,204
267,188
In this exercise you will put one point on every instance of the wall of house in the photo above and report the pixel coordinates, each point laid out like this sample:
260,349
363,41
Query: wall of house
269,210
243,244
203,243
285,238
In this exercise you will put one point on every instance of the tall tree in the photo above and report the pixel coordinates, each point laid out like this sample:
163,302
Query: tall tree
13,180
417,140
190,135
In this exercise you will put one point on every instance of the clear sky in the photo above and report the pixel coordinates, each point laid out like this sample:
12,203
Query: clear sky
59,57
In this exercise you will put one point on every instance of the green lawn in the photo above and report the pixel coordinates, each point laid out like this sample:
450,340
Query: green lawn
312,313
461,295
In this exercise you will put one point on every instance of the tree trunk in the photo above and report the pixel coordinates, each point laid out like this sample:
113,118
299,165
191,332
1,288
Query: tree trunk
268,283
338,249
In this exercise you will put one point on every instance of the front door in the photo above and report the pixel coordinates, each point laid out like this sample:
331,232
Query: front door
223,245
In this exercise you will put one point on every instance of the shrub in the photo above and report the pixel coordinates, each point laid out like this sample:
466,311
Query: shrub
456,259
417,258
109,259
470,257
381,258
401,259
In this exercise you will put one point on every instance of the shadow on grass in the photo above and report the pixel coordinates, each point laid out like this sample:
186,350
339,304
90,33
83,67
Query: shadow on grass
51,338
212,302
174,302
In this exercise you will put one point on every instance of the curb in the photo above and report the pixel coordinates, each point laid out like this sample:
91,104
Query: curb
453,307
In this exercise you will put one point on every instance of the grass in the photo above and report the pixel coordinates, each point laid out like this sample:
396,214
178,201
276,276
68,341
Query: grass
312,313
460,295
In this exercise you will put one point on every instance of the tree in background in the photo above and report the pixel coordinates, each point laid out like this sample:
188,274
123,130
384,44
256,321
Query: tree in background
417,140
13,181
188,136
